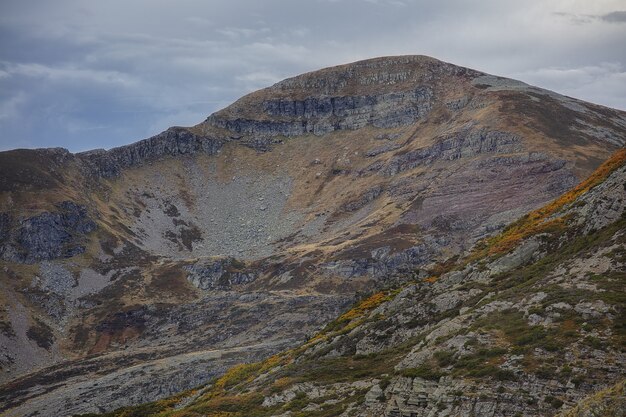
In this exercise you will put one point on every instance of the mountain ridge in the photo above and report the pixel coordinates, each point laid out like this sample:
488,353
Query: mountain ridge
263,222
178,142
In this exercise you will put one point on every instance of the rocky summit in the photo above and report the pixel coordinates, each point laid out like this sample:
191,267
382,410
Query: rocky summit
393,237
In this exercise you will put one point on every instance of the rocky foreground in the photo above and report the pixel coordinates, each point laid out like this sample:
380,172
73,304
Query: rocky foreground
132,274
530,322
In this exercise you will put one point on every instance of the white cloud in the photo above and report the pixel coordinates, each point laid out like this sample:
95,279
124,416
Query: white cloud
604,83
68,73
238,33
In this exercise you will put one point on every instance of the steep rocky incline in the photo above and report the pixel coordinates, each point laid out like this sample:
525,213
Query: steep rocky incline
173,142
48,235
246,233
529,322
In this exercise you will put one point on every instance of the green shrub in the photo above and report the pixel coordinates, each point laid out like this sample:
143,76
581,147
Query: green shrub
298,403
554,402
444,357
593,342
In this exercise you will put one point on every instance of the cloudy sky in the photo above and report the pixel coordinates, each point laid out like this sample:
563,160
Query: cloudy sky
98,74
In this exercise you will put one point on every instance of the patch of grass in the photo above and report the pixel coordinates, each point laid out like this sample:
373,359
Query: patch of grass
298,403
546,372
483,363
444,358
246,372
6,328
246,404
237,374
593,342
341,369
41,334
143,410
359,311
554,402
513,325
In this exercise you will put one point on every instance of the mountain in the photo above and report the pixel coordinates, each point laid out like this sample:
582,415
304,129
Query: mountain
132,274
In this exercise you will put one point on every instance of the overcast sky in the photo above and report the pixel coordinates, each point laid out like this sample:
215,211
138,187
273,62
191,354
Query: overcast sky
98,74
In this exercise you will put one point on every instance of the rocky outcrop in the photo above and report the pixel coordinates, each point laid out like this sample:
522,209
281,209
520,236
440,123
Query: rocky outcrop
608,402
47,236
321,115
604,200
364,199
464,144
174,141
382,263
391,72
220,273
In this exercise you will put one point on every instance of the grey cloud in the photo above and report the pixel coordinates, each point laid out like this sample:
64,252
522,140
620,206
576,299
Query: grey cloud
84,74
612,17
605,82
615,17
578,19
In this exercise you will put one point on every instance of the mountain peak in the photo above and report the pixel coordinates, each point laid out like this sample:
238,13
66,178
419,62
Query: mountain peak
384,71
400,91
165,261
385,92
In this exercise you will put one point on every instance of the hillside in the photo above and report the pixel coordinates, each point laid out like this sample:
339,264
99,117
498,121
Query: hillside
530,322
131,274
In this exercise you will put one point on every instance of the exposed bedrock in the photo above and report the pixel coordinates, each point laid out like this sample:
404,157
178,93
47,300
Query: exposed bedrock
221,273
46,236
321,115
464,144
174,141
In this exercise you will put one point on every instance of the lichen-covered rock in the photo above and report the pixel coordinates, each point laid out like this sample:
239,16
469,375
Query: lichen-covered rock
464,144
321,115
173,142
47,236
381,262
219,273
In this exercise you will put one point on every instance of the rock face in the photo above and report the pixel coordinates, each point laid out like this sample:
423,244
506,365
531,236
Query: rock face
172,142
49,235
381,263
465,144
220,273
322,115
251,230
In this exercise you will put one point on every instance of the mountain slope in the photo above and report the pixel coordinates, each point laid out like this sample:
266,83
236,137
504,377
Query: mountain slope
175,257
526,330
